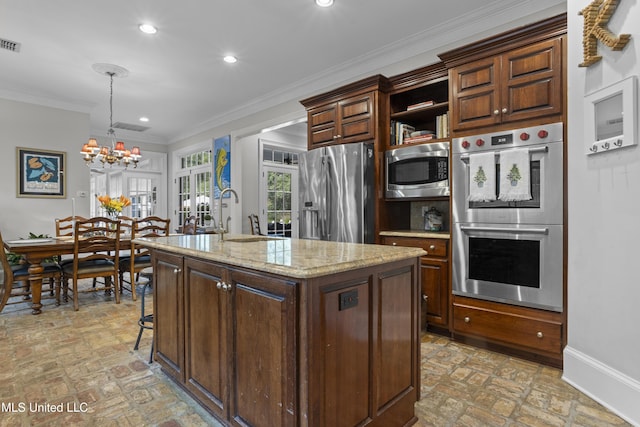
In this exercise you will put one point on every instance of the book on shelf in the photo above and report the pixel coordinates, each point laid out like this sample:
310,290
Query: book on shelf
420,105
399,132
442,125
420,138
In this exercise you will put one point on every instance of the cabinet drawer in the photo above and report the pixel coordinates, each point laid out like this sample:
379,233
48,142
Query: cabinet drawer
434,247
508,328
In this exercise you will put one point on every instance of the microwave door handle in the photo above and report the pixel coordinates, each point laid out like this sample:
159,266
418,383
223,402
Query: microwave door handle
542,230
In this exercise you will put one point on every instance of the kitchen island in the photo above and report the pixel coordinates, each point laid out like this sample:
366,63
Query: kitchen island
287,332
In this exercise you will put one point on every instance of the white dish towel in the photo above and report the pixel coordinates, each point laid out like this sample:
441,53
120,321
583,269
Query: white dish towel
515,175
482,177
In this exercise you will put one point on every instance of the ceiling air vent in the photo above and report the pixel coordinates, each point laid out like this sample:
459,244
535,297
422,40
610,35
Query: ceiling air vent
129,126
9,45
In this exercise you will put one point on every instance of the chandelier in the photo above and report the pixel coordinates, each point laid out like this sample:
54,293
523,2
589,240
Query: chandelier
117,153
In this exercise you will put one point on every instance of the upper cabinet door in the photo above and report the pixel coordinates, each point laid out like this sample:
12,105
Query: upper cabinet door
342,122
520,84
356,119
475,94
532,79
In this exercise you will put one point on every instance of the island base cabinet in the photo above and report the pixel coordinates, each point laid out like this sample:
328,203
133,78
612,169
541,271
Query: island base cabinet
168,332
258,349
263,334
364,346
206,348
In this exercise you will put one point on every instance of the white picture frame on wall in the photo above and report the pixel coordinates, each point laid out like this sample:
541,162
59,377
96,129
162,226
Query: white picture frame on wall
611,117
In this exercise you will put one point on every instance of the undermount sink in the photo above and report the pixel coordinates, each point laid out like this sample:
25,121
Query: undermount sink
246,239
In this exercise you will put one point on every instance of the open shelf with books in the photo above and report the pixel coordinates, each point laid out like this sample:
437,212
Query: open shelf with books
419,106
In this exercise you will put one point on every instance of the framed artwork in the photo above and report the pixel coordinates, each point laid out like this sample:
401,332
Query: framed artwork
221,165
41,173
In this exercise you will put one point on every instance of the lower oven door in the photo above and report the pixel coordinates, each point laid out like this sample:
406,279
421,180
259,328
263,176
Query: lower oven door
515,264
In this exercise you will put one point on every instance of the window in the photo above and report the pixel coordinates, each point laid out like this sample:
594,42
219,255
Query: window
144,185
280,187
278,155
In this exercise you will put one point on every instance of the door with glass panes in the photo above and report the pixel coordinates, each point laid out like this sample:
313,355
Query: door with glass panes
280,212
194,193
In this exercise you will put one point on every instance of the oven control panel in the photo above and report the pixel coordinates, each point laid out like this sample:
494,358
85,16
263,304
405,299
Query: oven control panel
522,137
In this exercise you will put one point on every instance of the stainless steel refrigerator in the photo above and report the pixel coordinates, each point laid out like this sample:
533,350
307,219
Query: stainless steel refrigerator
336,190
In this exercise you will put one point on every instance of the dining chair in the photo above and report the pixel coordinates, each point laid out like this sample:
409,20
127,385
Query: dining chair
139,257
64,226
16,278
254,222
190,225
96,253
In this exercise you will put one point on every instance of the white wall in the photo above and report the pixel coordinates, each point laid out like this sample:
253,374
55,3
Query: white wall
603,353
31,126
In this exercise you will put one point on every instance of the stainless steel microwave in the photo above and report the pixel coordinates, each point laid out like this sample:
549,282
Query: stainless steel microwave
417,171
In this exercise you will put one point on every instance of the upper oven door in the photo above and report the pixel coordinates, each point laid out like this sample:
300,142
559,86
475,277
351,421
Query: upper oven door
546,178
417,171
516,264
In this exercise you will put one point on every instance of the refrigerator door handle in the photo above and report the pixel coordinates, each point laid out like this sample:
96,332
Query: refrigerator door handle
328,210
322,217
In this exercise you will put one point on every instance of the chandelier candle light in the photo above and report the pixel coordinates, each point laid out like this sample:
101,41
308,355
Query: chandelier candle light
117,152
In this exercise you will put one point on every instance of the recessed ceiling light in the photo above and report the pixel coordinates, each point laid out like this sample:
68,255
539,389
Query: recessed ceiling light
148,28
230,59
324,3
144,119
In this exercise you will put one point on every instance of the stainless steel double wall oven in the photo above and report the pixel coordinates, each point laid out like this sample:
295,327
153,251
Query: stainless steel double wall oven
511,251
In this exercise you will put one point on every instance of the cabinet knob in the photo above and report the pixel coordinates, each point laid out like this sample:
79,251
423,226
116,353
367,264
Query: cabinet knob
337,136
177,270
467,319
394,244
219,285
496,112
504,110
425,297
540,334
432,247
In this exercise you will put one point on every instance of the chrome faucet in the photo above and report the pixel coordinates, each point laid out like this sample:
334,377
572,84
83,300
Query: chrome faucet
221,229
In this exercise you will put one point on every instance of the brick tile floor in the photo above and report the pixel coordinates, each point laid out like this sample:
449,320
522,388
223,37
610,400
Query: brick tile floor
83,363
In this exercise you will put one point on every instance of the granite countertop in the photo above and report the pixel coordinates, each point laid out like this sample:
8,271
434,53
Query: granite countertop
298,258
417,233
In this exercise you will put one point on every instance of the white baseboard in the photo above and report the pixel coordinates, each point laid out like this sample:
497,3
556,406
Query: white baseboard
612,389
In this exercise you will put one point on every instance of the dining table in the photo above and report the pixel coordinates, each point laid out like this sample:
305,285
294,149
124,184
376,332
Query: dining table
35,251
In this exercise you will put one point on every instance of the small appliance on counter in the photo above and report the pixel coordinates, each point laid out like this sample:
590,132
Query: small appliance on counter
433,220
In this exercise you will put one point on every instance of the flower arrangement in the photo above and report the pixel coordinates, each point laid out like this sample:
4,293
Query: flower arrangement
113,206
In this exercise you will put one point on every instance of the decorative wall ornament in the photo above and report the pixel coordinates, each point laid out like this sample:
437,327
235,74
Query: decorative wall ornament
221,165
596,17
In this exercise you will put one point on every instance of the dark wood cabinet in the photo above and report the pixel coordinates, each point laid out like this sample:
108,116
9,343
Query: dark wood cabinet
238,357
257,349
521,84
347,114
168,299
342,122
206,325
264,351
434,282
516,76
526,332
